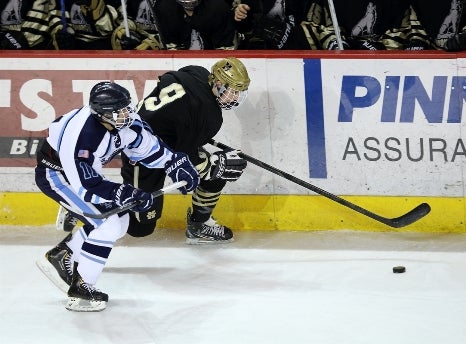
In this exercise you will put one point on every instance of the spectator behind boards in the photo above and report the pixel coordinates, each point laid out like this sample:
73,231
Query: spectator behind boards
196,24
142,25
363,24
269,24
84,24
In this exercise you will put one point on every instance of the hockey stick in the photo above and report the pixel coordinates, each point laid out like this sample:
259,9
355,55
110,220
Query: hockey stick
404,220
63,15
123,207
336,28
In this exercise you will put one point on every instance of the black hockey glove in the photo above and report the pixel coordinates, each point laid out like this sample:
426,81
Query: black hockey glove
333,45
227,165
456,43
12,40
273,30
131,42
121,42
180,168
64,40
127,194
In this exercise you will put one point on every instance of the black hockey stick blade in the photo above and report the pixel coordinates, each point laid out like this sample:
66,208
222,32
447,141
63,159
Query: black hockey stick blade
123,208
410,217
404,220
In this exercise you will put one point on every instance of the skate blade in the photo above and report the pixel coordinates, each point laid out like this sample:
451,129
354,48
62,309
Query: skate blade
76,304
207,241
49,271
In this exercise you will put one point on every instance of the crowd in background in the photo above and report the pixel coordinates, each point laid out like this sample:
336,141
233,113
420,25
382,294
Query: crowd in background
233,24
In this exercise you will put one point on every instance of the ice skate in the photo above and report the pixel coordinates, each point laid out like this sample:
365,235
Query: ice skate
65,220
84,297
57,266
209,232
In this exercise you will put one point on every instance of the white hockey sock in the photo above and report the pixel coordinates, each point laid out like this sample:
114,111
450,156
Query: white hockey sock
90,267
76,243
98,245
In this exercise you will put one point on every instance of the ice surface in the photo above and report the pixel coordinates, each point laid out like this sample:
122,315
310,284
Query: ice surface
266,287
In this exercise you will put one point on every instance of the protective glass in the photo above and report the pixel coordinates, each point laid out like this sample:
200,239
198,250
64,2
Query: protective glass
227,97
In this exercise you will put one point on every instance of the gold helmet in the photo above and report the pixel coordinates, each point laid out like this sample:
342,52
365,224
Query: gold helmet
229,80
232,73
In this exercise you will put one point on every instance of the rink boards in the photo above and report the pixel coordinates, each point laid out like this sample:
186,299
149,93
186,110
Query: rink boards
381,130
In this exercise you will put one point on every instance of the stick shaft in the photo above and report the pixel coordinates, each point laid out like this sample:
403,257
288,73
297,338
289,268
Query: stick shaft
63,15
124,207
336,27
125,17
404,220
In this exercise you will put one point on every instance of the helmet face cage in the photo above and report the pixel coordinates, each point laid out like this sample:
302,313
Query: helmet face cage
230,82
228,98
188,4
121,118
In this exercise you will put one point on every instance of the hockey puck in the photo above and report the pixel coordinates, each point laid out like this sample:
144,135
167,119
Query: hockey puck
399,269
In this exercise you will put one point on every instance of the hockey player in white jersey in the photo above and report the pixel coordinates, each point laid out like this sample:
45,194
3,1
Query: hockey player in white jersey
69,170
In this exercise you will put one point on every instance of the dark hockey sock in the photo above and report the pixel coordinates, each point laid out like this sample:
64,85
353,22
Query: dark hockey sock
201,214
205,198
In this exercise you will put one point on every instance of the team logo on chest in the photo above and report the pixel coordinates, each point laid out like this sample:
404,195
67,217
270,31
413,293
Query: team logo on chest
117,141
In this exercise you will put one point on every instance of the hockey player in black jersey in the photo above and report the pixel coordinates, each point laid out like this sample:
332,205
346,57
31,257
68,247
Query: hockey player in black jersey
185,110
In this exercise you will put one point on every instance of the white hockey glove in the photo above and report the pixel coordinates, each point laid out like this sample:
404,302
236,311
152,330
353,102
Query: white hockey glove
180,168
227,165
